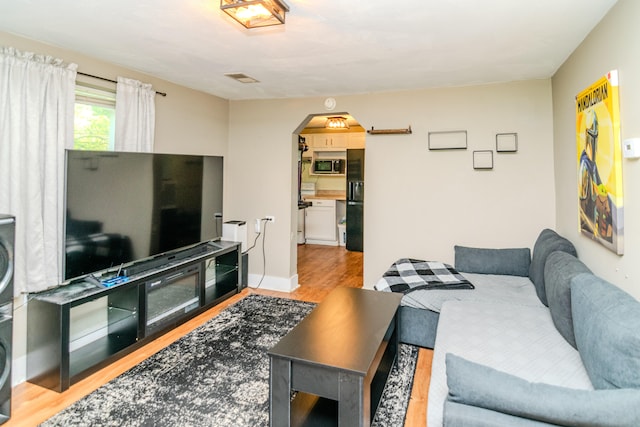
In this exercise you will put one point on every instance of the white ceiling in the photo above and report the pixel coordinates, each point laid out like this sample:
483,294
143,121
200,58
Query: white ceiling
326,48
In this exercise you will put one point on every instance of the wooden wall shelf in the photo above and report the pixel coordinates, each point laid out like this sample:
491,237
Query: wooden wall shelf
373,131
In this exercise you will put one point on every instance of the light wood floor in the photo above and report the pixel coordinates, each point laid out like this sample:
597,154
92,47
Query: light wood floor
320,270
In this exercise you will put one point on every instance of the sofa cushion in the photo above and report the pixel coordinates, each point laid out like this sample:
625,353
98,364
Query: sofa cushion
478,385
548,241
559,269
515,339
606,321
511,261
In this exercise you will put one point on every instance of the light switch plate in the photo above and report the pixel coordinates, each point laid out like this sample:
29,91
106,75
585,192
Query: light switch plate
631,148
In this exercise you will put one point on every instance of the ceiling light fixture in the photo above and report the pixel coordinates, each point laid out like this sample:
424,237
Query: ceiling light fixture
256,13
336,123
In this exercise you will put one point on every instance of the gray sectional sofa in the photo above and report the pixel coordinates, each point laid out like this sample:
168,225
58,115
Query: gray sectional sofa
539,341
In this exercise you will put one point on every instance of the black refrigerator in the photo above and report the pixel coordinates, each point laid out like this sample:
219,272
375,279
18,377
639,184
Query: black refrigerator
355,199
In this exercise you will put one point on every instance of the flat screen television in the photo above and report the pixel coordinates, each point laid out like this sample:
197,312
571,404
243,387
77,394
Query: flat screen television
122,207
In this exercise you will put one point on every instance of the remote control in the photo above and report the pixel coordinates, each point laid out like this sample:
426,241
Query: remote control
114,281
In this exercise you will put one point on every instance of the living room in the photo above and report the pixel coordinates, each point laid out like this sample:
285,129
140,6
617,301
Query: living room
441,200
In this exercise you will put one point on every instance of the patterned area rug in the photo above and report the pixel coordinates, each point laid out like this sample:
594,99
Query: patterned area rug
218,375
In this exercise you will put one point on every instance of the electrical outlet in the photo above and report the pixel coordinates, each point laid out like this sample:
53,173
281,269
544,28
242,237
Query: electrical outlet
257,225
270,218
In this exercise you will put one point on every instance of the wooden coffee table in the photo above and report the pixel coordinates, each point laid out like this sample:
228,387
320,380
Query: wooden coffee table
337,359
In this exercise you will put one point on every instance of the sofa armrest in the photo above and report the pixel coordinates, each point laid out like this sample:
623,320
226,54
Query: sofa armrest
481,386
461,415
418,326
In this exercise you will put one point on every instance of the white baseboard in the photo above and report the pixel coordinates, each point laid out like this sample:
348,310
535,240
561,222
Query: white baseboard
271,283
18,370
322,242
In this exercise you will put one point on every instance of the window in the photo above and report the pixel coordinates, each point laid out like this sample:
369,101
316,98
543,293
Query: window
95,118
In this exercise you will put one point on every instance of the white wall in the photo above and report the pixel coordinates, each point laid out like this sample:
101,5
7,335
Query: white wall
419,203
187,121
611,45
262,172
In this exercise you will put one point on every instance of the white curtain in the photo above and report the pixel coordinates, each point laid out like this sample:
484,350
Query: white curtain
36,125
135,115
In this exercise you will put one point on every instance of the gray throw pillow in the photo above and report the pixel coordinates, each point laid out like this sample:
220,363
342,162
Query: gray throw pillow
548,241
606,322
559,269
478,385
511,261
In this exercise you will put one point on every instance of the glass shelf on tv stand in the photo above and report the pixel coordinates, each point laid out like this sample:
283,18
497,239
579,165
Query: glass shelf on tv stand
83,356
221,276
100,325
101,328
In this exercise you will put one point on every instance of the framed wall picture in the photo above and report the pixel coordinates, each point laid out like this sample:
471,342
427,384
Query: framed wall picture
506,142
483,159
599,156
448,140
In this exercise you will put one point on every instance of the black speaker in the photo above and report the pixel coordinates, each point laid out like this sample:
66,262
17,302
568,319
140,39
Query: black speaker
6,329
7,239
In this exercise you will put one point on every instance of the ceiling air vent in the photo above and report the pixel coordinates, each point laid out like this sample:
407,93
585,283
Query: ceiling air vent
242,78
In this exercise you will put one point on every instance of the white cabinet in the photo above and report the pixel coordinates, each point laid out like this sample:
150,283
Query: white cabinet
320,223
329,140
335,141
332,142
356,140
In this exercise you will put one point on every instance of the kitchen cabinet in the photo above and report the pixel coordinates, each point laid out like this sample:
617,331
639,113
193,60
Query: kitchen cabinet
329,140
335,141
356,140
338,143
320,223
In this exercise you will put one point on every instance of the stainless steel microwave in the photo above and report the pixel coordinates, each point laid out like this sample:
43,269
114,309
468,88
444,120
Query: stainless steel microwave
329,166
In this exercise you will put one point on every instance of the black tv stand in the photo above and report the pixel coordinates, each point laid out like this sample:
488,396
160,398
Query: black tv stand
80,327
165,259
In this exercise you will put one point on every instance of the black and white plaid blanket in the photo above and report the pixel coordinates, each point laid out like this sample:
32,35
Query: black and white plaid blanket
406,275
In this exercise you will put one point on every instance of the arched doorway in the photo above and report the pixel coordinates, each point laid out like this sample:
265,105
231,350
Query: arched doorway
330,184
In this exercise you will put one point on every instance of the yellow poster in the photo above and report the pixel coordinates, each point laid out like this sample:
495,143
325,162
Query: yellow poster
600,207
